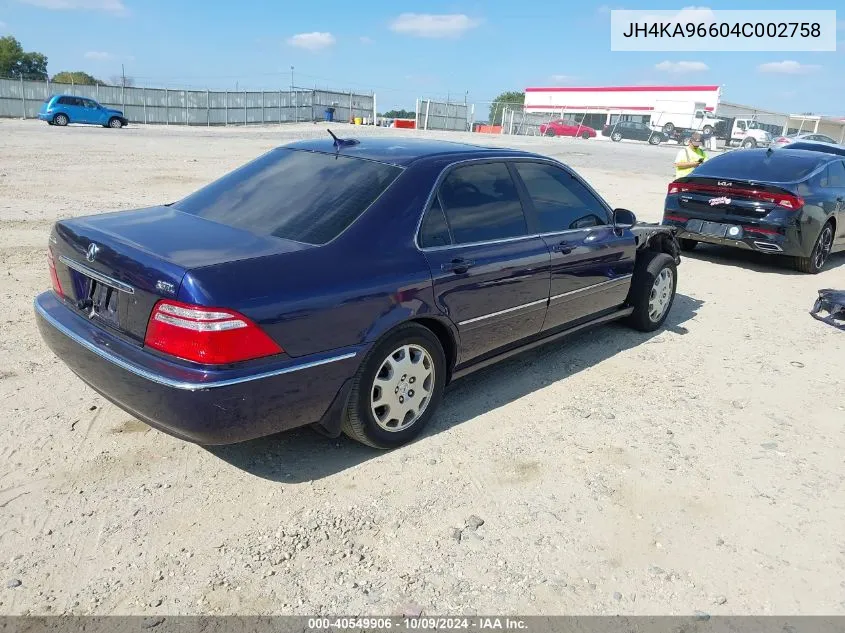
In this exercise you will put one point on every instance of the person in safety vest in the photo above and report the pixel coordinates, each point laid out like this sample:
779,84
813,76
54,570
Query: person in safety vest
690,157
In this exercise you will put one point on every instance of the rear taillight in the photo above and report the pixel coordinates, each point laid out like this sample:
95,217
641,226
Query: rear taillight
782,139
212,336
785,200
57,285
674,218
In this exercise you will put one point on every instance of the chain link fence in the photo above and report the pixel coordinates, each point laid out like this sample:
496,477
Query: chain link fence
22,99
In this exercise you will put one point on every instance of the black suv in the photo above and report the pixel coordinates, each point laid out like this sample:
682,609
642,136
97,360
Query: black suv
634,131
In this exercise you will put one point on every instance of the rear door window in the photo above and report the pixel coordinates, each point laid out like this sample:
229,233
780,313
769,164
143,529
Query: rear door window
434,231
298,195
836,174
562,203
482,203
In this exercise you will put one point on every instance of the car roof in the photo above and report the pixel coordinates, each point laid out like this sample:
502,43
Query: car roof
403,150
816,146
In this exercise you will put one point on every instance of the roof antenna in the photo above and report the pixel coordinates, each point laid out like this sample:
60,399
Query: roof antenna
339,142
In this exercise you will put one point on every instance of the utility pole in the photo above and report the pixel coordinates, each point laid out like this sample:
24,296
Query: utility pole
291,78
123,74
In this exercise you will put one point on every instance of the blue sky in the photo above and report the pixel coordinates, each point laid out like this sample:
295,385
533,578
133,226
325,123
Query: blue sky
439,47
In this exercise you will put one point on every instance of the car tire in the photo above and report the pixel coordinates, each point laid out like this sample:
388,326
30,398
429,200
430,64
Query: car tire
707,130
821,251
654,139
669,128
616,137
61,120
585,135
749,143
652,291
115,123
409,356
687,244
549,132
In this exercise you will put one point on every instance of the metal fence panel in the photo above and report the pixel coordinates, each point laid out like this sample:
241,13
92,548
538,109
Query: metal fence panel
438,115
23,99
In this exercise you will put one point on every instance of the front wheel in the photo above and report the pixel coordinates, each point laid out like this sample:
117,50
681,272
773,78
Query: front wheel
707,130
549,132
397,388
115,123
652,290
654,139
821,251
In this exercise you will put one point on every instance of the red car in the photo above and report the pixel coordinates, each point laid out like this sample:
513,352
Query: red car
565,127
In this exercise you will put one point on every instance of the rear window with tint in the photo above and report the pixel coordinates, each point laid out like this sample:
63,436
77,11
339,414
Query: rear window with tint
774,166
297,195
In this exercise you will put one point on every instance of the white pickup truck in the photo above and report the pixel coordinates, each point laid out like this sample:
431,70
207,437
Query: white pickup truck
747,133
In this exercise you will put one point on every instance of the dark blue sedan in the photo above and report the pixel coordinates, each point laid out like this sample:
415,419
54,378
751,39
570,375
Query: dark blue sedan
342,284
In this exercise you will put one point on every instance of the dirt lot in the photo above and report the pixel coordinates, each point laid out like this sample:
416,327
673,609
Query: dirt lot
696,469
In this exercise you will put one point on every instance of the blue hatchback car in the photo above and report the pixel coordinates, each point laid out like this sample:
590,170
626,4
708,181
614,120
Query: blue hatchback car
342,285
63,109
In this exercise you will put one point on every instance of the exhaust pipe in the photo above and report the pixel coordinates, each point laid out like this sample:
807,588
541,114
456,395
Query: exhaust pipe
768,247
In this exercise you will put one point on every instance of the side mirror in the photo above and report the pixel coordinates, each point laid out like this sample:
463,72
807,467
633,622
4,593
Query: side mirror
623,219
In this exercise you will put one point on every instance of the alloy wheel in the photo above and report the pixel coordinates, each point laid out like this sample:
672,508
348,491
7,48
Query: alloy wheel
402,388
823,247
661,295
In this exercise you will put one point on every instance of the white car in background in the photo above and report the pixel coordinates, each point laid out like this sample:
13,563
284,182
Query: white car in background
782,141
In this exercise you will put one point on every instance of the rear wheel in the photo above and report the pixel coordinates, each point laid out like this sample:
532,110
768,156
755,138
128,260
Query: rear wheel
115,123
549,132
652,290
821,251
397,388
616,136
61,120
687,245
585,135
669,128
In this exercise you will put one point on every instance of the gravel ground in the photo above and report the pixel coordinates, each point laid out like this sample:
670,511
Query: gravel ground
699,468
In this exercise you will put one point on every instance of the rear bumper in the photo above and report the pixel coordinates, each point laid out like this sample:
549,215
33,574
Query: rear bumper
194,404
773,239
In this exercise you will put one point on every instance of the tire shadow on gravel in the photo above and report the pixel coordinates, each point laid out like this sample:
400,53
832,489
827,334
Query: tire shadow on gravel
302,455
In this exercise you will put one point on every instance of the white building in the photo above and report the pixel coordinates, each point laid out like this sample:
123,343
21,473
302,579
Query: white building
597,106
601,105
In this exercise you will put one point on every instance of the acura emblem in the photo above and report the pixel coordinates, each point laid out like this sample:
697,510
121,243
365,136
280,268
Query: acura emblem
93,249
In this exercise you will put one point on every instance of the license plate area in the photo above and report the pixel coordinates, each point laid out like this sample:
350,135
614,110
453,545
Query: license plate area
716,229
102,303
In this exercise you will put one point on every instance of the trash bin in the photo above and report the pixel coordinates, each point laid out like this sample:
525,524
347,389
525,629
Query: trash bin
329,114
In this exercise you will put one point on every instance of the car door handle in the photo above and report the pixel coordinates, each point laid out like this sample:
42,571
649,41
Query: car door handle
563,247
458,265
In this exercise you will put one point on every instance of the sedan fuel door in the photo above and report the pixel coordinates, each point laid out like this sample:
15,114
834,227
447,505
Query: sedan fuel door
490,272
592,262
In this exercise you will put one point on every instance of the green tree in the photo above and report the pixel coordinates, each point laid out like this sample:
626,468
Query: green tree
399,114
75,77
510,97
15,62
